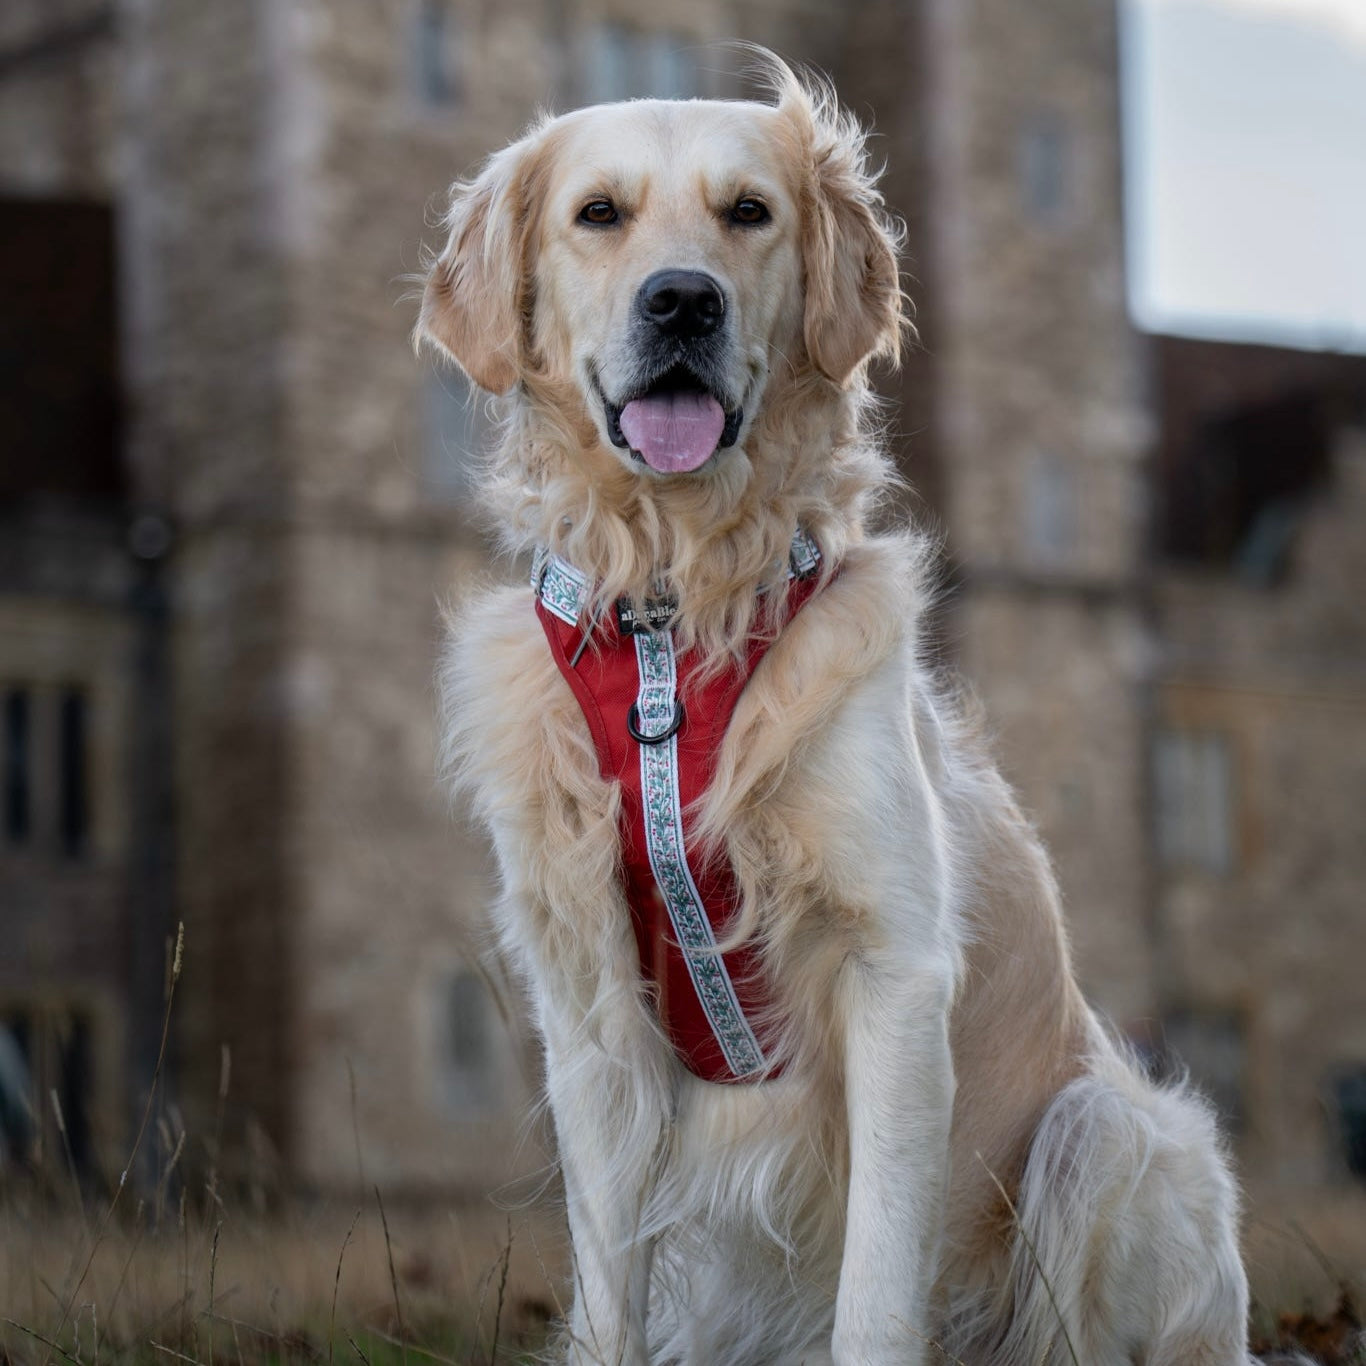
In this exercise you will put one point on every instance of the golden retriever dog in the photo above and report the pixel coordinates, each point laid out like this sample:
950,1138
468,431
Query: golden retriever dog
824,1087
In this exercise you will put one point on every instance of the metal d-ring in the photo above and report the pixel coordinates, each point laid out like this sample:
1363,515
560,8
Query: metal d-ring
633,725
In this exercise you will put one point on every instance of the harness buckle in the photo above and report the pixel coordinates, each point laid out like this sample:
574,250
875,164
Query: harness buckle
636,734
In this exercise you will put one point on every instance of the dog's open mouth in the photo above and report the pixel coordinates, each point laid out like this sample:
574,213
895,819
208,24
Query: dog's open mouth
675,426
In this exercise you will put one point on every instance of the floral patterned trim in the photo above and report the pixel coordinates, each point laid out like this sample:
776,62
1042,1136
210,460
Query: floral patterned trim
561,588
565,590
663,813
805,557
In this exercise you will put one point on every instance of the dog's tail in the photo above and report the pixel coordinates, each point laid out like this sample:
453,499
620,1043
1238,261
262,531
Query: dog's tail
1126,1232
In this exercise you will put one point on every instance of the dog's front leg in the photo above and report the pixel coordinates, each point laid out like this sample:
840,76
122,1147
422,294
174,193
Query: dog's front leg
610,1121
899,1095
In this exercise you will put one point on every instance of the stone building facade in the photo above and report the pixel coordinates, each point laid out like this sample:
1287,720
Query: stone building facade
81,617
1259,748
1041,431
290,503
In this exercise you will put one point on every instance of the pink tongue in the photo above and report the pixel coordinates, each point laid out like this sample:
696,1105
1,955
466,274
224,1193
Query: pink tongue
673,432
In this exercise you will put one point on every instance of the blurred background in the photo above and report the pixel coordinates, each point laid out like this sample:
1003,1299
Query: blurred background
231,500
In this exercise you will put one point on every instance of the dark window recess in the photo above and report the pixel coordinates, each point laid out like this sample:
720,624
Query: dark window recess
1349,1094
17,1128
73,1085
1247,443
18,780
74,811
46,1052
435,71
466,1043
1209,1047
59,363
1238,491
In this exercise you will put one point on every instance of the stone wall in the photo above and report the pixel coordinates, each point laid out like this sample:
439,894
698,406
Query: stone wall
1270,936
57,98
207,344
1039,435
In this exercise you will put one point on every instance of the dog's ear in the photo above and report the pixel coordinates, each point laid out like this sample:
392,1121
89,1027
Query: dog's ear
853,286
473,300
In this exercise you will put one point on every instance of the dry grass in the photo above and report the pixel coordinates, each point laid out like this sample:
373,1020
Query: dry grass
312,1282
170,1273
319,1281
163,1269
1309,1288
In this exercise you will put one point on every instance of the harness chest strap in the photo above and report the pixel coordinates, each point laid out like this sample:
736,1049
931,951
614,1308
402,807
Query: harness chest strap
657,727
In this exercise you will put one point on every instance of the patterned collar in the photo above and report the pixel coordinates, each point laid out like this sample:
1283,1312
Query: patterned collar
566,591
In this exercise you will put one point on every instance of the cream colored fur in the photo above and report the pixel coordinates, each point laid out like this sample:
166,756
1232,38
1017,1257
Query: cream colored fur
956,1164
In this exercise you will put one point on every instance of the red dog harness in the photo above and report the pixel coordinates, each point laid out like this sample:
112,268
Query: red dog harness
657,728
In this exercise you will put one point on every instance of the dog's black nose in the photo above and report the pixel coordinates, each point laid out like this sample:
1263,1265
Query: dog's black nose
682,303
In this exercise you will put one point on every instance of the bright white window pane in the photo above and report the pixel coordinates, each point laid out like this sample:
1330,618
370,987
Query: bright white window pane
1245,199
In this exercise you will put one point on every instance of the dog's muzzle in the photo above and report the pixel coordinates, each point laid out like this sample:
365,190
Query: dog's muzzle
678,417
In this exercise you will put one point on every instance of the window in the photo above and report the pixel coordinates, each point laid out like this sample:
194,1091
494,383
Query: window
465,1039
59,339
1193,788
1209,1046
17,746
45,1055
435,55
1050,510
671,70
16,1088
1041,156
73,793
1235,482
456,433
622,63
60,817
607,74
1349,1096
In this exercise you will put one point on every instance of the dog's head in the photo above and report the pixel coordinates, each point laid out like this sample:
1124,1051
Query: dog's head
670,264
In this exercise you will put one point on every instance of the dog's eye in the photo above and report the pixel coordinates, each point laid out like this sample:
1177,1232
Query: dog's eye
601,213
749,212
